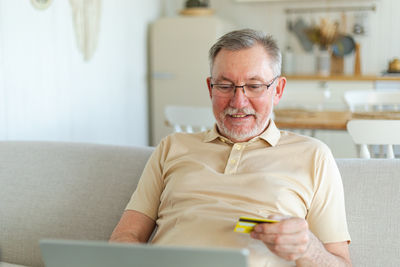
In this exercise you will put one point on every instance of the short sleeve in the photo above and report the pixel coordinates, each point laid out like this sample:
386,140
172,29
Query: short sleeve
327,216
146,198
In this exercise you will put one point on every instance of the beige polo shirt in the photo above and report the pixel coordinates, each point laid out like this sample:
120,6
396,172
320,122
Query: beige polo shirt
196,186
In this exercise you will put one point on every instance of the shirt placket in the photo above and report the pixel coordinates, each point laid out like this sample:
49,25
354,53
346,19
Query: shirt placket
234,158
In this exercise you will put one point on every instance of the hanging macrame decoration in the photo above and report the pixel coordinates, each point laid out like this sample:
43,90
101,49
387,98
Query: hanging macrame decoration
41,4
86,15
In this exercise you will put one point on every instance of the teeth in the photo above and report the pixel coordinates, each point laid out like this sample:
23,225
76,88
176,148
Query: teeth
238,116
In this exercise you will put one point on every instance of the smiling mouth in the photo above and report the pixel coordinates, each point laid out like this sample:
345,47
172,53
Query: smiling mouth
240,115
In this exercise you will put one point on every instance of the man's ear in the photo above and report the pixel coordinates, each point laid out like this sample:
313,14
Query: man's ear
209,86
279,90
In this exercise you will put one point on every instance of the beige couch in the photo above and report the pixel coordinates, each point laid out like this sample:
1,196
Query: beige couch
79,191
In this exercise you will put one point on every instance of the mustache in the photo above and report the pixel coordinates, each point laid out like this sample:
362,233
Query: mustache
231,111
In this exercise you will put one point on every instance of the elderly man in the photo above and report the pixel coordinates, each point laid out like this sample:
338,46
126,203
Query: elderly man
196,186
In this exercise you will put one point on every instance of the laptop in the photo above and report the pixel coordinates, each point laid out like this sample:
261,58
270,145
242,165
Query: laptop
73,253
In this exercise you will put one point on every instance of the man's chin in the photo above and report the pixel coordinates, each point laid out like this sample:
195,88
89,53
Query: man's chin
241,134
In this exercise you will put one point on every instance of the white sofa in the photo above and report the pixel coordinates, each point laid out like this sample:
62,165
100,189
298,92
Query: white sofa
79,191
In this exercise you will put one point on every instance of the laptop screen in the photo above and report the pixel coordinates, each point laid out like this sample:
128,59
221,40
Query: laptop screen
67,253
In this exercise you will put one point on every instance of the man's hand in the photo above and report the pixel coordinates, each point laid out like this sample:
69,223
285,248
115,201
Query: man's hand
289,239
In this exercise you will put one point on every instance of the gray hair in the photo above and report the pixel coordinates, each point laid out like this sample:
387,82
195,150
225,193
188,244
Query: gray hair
247,38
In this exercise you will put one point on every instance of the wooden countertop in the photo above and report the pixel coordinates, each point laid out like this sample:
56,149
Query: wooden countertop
325,119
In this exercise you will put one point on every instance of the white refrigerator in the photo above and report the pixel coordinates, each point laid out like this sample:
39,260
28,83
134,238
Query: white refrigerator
179,65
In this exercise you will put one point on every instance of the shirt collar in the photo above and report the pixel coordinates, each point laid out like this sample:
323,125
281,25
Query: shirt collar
271,135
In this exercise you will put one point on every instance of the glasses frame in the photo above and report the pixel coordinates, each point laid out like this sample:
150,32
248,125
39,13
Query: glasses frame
245,85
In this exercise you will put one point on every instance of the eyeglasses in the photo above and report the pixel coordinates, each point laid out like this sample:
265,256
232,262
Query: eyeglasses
250,90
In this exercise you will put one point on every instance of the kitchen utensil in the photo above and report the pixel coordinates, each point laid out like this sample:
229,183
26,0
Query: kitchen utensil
343,46
299,29
359,27
340,48
357,60
345,42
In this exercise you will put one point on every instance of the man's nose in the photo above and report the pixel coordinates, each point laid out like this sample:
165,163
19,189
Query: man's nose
239,99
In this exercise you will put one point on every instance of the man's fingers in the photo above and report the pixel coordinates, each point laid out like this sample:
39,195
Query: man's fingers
289,238
287,246
295,239
285,226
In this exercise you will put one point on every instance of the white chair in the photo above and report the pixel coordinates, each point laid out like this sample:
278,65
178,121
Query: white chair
370,100
189,119
375,132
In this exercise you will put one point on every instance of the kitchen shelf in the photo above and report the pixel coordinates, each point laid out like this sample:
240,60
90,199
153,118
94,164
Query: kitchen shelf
342,78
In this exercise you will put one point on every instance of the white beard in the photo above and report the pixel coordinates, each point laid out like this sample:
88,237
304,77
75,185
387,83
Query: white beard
241,135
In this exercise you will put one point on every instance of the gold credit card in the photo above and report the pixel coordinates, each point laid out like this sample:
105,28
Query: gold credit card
246,224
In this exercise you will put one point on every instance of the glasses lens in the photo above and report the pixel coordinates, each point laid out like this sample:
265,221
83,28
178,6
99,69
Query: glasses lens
254,90
223,90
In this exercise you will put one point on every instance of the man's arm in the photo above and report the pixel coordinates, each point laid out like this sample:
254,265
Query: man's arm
331,254
134,227
292,240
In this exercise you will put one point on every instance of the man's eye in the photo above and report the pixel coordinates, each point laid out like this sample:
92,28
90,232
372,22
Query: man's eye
225,87
254,86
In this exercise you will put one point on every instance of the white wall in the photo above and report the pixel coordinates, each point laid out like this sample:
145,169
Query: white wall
47,90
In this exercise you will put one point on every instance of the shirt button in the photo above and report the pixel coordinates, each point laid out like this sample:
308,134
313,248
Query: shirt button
238,147
233,161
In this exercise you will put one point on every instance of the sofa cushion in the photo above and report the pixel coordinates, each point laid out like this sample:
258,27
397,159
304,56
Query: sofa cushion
372,189
62,190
